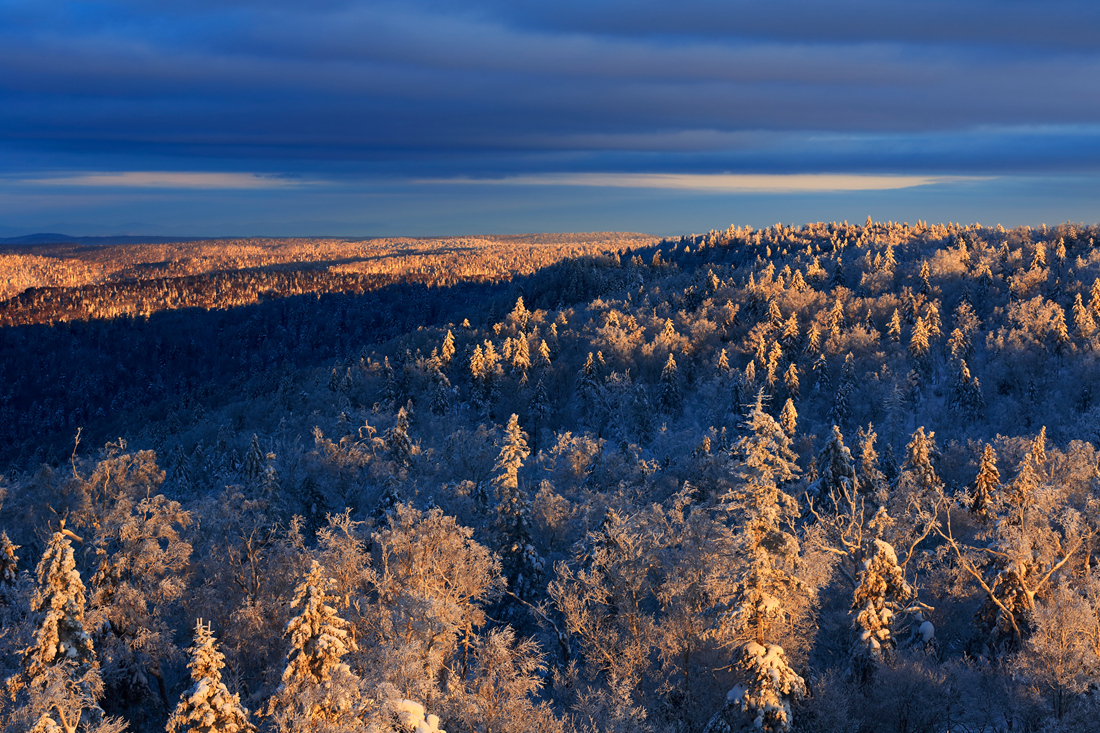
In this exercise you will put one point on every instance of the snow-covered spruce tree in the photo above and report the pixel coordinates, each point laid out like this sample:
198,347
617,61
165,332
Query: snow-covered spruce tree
522,564
788,418
318,691
59,598
842,408
670,396
60,684
208,706
882,592
986,484
917,486
764,587
871,482
587,385
9,562
397,439
447,350
538,409
834,466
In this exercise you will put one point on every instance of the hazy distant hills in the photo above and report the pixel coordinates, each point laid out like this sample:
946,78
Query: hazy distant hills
52,238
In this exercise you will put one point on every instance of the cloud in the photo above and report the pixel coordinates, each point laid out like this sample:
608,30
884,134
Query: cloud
167,179
722,183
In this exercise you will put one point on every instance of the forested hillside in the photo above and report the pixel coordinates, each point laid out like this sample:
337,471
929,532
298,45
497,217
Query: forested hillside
827,478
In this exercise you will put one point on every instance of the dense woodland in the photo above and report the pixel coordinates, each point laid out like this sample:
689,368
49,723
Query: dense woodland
822,478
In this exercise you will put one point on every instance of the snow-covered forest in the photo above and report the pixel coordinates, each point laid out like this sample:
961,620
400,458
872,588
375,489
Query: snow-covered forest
823,478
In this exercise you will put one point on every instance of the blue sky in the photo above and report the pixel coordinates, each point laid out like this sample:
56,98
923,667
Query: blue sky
422,117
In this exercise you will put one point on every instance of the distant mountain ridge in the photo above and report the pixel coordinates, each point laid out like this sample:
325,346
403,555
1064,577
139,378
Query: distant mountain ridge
51,238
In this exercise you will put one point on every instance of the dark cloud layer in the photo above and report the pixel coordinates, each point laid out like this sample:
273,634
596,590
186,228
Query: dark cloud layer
342,90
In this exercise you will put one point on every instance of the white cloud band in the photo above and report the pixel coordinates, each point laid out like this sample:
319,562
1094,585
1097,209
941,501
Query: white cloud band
718,183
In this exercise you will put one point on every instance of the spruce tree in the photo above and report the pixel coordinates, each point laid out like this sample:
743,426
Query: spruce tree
9,562
836,473
208,706
544,354
870,481
447,350
880,595
521,359
790,381
1084,325
986,484
822,381
442,393
397,440
894,329
670,396
318,691
723,365
765,582
523,565
788,418
59,599
254,462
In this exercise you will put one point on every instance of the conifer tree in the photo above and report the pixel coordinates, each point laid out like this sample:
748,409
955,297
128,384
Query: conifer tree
318,691
447,350
966,394
813,340
842,409
836,321
521,359
917,483
790,380
391,392
670,396
775,316
748,379
836,473
1084,325
918,344
932,319
522,563
208,706
788,418
789,337
925,284
894,329
642,414
544,354
538,409
397,440
59,598
822,381
765,582
870,481
986,484
1059,328
587,386
9,562
880,595
774,357
723,365
441,394
254,461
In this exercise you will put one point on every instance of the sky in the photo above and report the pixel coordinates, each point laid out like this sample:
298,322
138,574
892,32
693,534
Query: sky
437,117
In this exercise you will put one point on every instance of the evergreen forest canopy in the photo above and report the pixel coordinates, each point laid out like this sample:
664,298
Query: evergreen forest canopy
826,478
